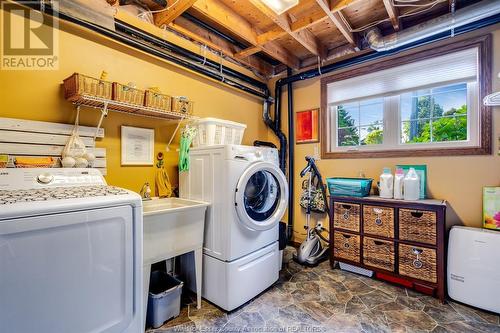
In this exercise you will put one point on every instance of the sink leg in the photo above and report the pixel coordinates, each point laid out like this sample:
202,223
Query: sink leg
146,269
198,257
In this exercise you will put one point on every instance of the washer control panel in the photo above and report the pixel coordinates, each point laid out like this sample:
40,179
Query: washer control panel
253,154
37,178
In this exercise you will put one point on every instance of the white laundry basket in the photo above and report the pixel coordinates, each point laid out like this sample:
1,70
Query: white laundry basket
213,131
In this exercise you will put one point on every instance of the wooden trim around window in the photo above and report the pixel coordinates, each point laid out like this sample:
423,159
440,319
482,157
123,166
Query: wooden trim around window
484,45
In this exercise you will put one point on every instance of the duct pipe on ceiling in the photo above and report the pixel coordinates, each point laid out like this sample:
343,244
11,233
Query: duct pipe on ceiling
448,22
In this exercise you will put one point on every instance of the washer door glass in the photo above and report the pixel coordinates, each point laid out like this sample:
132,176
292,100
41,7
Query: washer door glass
261,197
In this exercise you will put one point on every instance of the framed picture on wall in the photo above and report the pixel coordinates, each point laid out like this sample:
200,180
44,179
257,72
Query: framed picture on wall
137,146
307,126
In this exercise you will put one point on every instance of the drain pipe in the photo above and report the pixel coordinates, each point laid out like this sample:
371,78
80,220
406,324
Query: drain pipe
275,125
291,157
445,23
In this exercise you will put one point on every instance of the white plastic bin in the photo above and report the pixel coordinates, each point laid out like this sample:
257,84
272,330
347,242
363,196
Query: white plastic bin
164,301
213,131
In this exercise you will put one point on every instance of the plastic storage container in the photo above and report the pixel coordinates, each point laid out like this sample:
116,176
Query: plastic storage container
350,187
164,301
213,131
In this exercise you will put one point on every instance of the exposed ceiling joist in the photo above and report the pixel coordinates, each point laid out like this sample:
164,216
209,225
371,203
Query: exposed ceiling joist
297,26
337,19
393,14
304,36
175,10
232,21
202,36
247,52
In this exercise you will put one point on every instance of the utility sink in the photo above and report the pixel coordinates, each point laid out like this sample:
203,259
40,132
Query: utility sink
169,205
172,227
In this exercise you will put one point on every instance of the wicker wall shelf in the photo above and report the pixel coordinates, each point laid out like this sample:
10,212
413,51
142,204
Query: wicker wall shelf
137,110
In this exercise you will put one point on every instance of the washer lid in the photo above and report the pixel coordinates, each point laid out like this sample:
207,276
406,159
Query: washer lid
261,196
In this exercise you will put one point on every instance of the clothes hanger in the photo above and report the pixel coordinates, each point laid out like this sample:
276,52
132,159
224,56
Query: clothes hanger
493,99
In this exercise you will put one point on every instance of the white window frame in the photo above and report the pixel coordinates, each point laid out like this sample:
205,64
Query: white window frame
393,129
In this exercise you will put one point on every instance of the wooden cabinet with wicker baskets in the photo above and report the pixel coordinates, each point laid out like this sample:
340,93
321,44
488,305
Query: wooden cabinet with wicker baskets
401,241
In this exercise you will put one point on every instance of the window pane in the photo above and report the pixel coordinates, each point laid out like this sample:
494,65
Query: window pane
348,137
422,92
449,129
371,135
406,106
415,131
421,107
450,103
460,86
447,108
413,108
371,111
347,115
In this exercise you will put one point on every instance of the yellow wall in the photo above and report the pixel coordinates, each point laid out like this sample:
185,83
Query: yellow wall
459,180
37,95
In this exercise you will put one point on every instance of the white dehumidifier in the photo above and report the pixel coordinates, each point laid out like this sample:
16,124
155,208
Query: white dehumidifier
474,267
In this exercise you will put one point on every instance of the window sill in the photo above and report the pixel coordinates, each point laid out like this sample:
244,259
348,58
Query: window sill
407,153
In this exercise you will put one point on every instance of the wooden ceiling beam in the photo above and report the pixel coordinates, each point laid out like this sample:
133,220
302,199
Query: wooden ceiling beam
197,34
232,21
168,16
202,36
304,36
300,24
338,20
247,52
393,14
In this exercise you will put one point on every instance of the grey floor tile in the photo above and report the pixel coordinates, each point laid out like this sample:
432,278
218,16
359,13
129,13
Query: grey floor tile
320,299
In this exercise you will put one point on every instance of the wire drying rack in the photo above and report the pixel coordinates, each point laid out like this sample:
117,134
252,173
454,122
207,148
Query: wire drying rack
105,105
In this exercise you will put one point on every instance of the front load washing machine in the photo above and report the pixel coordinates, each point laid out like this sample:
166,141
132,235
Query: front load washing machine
249,196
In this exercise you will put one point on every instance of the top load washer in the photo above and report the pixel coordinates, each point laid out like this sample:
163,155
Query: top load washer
248,192
70,253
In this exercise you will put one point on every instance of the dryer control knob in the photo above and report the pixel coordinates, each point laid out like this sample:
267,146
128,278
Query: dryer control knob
45,178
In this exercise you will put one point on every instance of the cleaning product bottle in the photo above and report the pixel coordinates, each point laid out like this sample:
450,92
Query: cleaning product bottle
398,183
386,184
411,185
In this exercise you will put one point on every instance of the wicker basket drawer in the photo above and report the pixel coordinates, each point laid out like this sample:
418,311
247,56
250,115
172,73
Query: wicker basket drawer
182,105
418,262
78,84
346,246
346,216
126,94
157,100
378,221
378,253
418,226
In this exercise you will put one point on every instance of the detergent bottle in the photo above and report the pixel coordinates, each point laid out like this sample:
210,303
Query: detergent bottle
398,183
412,185
386,184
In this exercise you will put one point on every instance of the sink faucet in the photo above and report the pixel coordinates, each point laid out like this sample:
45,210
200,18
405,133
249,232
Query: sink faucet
145,192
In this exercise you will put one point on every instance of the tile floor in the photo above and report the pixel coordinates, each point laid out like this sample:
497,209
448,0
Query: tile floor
324,300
